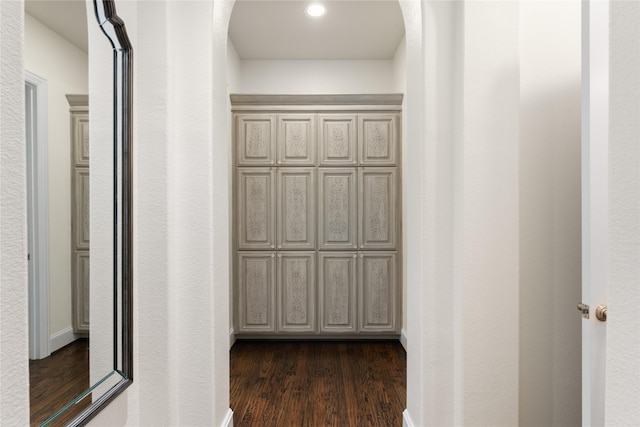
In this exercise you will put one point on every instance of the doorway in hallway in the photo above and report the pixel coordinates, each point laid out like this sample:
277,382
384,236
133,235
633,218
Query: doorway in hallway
318,383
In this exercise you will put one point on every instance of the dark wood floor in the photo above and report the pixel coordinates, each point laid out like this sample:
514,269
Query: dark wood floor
318,383
57,380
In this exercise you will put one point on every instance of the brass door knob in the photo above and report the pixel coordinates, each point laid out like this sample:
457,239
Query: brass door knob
601,313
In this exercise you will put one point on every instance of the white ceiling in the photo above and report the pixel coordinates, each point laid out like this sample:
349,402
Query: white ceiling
66,17
351,29
266,29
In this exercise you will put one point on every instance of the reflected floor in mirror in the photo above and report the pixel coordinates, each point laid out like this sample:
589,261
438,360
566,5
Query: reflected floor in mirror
318,383
57,380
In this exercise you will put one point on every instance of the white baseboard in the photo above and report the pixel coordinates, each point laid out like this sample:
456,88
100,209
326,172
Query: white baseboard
232,338
403,338
62,338
406,419
228,419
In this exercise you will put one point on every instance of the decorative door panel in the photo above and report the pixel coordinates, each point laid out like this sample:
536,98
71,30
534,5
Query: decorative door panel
296,140
81,209
296,208
256,291
80,136
256,208
337,140
377,139
337,292
337,214
377,290
80,294
377,208
256,139
296,291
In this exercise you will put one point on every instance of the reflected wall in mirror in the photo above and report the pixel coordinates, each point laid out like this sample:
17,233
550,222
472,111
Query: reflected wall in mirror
68,382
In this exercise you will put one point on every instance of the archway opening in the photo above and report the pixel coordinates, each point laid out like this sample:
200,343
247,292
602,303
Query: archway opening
260,64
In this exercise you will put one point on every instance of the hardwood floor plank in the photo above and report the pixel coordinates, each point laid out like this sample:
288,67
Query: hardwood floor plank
318,383
57,380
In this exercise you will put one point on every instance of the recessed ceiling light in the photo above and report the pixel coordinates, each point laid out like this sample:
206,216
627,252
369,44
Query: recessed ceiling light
316,10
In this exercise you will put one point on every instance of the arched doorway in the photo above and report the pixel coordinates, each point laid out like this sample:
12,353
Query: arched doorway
412,148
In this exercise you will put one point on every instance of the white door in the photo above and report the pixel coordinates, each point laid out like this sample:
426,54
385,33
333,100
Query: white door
595,124
38,214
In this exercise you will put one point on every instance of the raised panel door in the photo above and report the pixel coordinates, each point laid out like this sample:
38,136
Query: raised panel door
256,139
296,208
256,291
80,136
378,139
81,208
337,292
256,208
377,290
296,290
296,140
377,208
80,310
337,217
337,140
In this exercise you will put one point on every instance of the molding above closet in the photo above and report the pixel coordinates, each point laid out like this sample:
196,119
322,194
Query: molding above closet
332,102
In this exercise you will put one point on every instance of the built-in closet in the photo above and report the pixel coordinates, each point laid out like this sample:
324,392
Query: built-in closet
80,285
317,215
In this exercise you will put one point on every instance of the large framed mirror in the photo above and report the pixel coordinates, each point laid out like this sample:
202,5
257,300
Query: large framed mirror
71,383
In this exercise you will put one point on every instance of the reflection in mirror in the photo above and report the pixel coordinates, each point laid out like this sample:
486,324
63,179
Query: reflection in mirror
68,384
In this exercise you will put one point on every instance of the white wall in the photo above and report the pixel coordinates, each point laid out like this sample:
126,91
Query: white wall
182,161
101,201
14,332
234,83
234,68
514,122
488,214
399,65
317,76
65,67
622,407
550,210
439,390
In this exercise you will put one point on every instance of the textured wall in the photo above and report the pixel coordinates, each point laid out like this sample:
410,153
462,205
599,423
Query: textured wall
472,376
181,320
14,351
488,212
622,404
65,68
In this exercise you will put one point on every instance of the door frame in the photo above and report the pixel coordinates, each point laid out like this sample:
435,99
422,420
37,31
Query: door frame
595,204
36,110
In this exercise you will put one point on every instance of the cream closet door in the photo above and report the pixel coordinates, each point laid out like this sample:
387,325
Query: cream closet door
296,287
296,140
316,221
80,211
377,139
337,136
257,291
256,137
256,208
296,208
377,208
337,222
337,282
376,286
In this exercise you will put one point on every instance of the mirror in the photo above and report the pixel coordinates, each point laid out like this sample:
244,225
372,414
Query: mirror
91,367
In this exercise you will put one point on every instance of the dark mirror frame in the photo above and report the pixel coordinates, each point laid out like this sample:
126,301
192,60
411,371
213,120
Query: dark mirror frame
113,27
